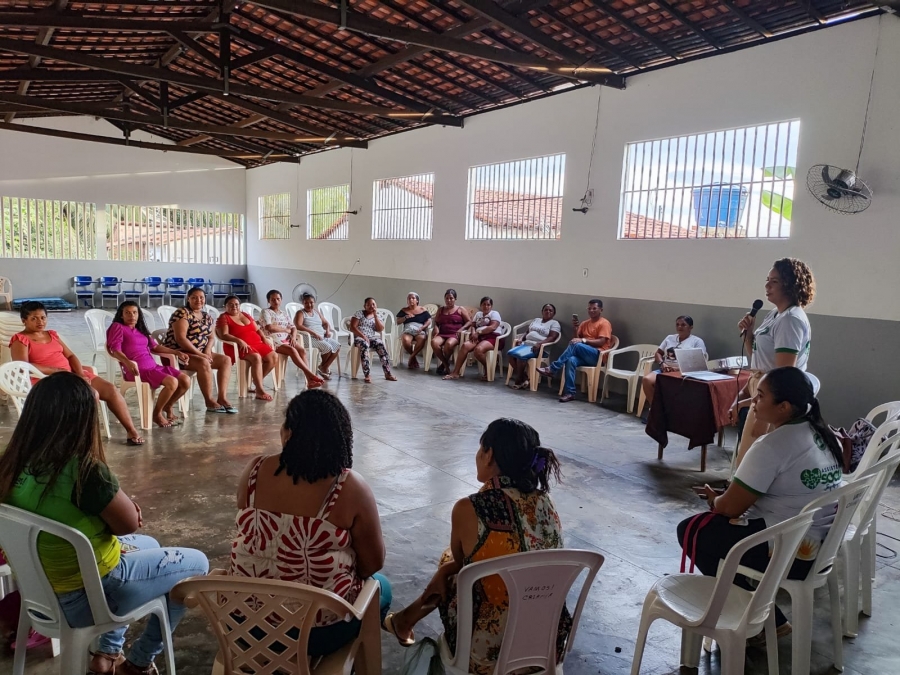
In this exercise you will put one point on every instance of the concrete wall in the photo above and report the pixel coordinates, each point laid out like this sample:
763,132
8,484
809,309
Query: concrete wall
52,168
820,78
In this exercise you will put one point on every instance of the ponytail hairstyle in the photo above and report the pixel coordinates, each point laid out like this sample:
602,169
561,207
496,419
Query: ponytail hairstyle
792,385
520,456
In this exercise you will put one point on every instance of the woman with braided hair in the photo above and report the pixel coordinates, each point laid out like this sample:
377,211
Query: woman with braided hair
511,513
304,516
782,339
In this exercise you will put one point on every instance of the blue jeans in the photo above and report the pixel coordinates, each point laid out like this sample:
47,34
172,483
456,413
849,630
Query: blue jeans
524,352
578,354
140,576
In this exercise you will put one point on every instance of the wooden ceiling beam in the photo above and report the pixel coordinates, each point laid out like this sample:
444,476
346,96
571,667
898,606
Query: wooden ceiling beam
668,7
192,45
590,38
160,121
360,23
524,28
335,73
102,23
619,18
43,38
57,133
140,72
747,20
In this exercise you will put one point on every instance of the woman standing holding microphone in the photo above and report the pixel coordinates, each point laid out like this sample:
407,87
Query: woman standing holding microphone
782,339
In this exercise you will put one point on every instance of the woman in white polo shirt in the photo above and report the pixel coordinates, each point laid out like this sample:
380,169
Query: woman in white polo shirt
682,338
783,337
783,471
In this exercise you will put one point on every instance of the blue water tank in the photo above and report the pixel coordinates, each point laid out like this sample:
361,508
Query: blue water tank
719,205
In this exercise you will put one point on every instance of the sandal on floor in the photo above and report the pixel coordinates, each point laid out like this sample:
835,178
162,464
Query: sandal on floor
324,374
128,668
112,661
388,626
390,378
221,409
134,441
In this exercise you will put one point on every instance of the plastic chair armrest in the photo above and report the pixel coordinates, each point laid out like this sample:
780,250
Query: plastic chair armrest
170,359
369,589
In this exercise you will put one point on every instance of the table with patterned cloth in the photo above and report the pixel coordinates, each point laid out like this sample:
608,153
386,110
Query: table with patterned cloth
696,409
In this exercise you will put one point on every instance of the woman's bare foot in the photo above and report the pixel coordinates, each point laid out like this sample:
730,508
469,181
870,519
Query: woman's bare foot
105,663
390,378
452,376
367,379
401,628
263,396
162,421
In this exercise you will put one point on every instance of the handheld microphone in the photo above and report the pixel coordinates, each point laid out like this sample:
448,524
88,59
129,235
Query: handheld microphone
757,305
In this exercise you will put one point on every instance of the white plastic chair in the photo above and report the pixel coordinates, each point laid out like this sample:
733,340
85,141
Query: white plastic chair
165,313
145,395
274,607
391,333
149,321
19,531
171,360
542,358
213,312
891,412
253,310
716,608
15,382
532,620
98,320
646,354
858,551
291,308
494,357
848,499
590,382
334,316
6,293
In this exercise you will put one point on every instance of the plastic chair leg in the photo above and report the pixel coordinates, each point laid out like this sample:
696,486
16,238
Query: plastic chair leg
837,634
851,589
593,384
533,378
733,657
147,410
562,380
509,373
639,646
868,569
642,398
690,648
629,405
772,643
801,636
21,642
104,416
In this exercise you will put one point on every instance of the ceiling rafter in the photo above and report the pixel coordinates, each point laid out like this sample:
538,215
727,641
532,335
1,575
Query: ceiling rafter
71,20
360,23
629,25
748,20
669,7
589,37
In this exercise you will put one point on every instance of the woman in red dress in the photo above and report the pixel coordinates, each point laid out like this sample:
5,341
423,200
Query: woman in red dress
240,332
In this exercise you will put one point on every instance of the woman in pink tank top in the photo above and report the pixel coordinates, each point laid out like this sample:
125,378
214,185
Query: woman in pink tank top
449,320
305,516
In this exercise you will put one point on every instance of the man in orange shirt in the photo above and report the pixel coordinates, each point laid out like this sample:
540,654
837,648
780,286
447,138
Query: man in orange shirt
591,337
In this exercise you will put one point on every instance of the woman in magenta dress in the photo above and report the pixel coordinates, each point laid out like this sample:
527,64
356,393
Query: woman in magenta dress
129,342
241,333
44,350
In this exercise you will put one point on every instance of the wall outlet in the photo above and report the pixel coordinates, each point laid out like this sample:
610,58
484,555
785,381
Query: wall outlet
584,272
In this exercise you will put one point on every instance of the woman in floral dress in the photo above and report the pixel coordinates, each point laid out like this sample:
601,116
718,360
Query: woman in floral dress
511,513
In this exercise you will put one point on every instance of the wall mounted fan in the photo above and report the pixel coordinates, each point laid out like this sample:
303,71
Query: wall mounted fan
301,289
839,189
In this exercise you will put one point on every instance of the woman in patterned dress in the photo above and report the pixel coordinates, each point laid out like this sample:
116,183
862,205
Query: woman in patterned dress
191,332
511,513
279,326
304,516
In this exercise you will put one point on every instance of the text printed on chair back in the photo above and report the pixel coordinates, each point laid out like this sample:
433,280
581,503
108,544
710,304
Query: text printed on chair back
537,583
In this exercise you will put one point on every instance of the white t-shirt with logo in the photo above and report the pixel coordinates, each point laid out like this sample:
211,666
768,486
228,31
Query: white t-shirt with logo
481,320
786,332
538,330
788,468
673,342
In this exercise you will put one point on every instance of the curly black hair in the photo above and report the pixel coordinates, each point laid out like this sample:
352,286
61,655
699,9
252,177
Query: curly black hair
797,280
520,456
321,442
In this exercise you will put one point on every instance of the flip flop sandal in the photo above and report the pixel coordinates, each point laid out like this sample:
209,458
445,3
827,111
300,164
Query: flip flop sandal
388,626
133,441
231,410
221,410
112,660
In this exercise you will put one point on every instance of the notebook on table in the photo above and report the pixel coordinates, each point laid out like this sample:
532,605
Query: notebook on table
692,364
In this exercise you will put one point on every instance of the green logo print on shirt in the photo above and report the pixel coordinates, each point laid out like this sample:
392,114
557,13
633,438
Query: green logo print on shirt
812,477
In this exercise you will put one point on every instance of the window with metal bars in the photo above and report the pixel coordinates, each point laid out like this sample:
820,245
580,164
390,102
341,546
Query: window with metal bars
403,207
731,184
275,216
521,199
168,234
326,212
47,228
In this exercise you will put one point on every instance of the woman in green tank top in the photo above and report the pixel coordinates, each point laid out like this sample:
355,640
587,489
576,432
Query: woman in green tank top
55,467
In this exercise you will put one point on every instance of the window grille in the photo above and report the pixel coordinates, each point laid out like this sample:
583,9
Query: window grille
522,199
403,207
46,228
731,184
168,234
326,212
275,216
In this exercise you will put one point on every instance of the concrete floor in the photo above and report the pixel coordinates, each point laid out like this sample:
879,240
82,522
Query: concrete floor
415,442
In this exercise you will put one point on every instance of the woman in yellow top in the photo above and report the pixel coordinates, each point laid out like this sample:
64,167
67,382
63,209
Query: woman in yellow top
55,467
511,513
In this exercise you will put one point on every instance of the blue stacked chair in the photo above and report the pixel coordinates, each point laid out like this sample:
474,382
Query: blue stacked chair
136,291
83,287
241,289
219,291
175,290
155,290
110,287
